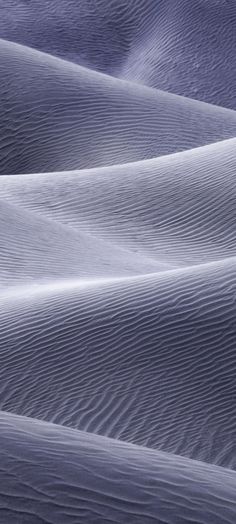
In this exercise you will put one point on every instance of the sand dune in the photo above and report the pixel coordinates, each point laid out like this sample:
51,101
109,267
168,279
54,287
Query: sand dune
117,262
30,243
65,476
182,46
178,209
56,116
149,360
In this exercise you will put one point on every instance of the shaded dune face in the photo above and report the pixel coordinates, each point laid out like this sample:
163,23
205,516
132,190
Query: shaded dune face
117,262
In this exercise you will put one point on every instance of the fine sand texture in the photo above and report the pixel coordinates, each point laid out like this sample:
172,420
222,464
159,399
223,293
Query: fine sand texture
118,262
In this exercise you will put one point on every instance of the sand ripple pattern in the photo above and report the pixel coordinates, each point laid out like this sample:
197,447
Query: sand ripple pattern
117,262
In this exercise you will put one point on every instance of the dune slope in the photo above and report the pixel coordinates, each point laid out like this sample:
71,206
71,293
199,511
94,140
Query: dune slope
149,360
185,47
65,476
178,209
56,115
36,249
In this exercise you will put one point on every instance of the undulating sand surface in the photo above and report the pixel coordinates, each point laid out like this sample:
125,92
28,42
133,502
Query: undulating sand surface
183,46
118,262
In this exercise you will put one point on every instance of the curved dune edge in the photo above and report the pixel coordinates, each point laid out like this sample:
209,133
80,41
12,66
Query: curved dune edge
64,114
30,243
180,46
67,476
148,359
176,210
